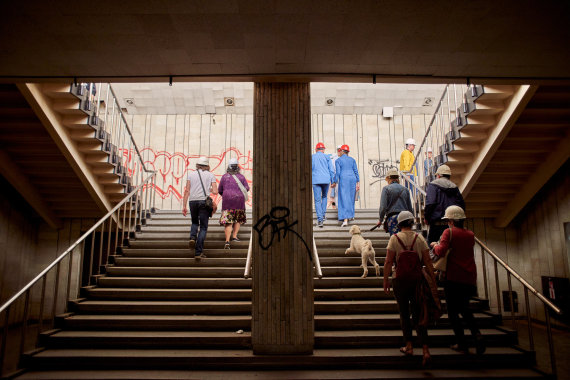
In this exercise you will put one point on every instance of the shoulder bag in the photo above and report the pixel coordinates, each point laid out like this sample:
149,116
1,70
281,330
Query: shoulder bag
210,205
241,187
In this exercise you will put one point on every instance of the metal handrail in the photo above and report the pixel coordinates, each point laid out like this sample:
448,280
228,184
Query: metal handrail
75,244
247,271
518,277
316,260
315,255
129,131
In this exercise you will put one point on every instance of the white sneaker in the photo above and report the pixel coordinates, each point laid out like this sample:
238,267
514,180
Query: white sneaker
344,224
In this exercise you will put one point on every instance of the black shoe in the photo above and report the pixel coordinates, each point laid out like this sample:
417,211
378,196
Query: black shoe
235,239
227,245
461,349
480,344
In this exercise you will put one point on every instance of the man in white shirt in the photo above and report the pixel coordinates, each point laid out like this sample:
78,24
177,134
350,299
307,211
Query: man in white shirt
198,187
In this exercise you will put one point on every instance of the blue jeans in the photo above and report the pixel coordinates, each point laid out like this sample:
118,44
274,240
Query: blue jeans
320,192
200,217
411,187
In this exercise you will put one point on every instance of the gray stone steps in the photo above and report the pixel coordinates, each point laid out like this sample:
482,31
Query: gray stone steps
234,252
154,294
234,323
233,339
380,358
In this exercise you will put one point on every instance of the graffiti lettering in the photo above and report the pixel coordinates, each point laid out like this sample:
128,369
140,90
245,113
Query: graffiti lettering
380,168
276,220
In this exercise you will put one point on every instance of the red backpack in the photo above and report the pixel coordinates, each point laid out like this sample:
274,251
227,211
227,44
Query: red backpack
408,265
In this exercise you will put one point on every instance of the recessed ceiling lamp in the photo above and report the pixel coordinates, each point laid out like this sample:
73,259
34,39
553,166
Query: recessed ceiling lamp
229,102
428,101
130,102
329,101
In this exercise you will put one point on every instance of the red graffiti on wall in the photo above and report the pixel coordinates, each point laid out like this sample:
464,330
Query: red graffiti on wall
172,167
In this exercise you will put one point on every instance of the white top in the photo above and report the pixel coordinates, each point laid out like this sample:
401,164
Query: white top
196,192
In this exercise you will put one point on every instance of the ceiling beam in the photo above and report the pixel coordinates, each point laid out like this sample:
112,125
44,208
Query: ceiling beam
496,136
550,164
11,171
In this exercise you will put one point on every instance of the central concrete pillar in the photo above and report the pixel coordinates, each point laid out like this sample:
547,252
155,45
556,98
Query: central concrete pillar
283,321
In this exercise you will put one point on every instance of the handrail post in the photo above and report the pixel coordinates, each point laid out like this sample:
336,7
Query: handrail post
484,269
25,321
42,303
4,335
497,288
550,342
529,321
512,302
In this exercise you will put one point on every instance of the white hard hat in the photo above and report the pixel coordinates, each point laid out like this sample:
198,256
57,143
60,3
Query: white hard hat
338,147
410,142
454,212
429,149
233,161
203,161
392,173
405,215
443,170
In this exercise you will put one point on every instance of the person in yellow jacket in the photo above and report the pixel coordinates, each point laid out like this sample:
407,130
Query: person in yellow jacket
407,160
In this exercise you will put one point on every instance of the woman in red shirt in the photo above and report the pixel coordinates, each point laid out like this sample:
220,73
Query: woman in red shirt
461,277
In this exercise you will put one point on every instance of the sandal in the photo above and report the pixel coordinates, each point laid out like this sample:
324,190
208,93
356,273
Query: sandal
408,352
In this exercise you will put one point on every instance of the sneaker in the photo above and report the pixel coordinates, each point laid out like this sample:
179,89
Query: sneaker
320,224
235,239
227,245
344,224
197,258
192,244
202,256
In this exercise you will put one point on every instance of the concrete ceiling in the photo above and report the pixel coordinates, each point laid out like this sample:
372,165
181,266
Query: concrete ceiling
347,98
276,40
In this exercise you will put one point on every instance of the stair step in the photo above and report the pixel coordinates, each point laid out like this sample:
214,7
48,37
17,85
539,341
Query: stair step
200,270
231,339
174,283
184,253
286,373
356,358
163,307
178,262
235,322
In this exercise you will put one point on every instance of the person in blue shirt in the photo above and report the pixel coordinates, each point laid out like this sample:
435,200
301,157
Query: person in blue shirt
428,164
348,184
323,175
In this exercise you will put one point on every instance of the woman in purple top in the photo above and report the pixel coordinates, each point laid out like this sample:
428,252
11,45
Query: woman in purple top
233,187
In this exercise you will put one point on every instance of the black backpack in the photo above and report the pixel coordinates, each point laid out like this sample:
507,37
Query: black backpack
408,265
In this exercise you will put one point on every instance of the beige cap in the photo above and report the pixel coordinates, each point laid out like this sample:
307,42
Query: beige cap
203,161
454,212
443,170
410,141
392,173
404,215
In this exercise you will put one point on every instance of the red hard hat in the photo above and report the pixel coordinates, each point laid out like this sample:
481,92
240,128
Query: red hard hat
320,146
345,147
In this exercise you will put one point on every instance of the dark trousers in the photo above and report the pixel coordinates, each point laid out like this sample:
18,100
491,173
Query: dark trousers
405,293
435,232
457,296
200,218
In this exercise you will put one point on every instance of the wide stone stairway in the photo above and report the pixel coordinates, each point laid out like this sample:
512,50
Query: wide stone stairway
157,313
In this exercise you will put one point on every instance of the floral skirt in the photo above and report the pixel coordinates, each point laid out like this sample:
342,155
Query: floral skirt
232,216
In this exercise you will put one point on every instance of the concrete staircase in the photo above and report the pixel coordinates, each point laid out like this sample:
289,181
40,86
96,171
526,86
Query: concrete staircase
156,313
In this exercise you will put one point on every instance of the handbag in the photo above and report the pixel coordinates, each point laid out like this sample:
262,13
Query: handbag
441,263
241,187
210,205
385,223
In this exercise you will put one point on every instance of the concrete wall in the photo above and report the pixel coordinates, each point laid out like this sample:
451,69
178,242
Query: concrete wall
171,144
534,244
27,246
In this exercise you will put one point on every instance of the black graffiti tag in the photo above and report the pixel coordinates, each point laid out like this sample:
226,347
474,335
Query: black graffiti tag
277,221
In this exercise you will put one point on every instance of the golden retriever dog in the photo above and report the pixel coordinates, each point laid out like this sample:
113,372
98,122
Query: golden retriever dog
363,246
